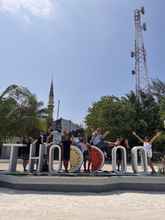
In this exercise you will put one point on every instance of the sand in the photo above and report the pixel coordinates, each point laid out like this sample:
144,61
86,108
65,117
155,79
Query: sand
117,206
18,205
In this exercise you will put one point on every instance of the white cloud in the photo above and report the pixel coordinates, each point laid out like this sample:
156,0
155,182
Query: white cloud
42,8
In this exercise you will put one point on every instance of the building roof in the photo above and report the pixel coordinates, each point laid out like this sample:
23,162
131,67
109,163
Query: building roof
62,123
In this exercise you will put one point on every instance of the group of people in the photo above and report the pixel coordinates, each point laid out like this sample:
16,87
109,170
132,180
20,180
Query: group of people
98,139
65,140
52,136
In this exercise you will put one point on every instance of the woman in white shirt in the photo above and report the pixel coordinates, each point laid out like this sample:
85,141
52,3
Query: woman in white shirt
147,143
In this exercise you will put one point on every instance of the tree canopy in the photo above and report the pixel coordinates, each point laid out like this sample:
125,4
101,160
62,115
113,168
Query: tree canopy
123,115
20,113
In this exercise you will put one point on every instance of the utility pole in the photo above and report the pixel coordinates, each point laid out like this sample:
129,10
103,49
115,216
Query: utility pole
58,109
140,55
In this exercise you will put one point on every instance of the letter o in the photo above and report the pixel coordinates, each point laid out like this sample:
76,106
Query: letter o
124,159
51,158
134,156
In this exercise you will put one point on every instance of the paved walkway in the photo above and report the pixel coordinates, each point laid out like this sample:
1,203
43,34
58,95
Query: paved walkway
116,206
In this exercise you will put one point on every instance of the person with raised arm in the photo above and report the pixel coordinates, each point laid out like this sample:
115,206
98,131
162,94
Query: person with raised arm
147,144
98,140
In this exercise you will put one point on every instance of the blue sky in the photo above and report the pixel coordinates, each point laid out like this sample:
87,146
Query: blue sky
84,44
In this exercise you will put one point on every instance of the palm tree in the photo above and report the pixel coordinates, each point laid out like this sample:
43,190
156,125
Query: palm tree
22,113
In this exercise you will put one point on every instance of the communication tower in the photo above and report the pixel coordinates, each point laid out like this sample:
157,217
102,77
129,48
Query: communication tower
140,55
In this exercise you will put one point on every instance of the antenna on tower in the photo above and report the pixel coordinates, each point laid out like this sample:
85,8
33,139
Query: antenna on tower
139,54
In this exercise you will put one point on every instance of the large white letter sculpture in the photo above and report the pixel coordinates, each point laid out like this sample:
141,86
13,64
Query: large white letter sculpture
134,156
124,159
33,157
51,159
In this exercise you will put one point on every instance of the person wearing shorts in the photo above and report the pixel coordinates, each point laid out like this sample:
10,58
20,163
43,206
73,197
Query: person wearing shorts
147,144
87,156
124,143
25,151
66,143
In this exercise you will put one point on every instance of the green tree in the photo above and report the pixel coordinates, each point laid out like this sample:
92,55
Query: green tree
121,116
112,114
158,89
21,113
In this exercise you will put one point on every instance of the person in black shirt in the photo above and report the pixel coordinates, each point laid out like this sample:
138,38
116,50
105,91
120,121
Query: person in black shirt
66,143
24,151
124,143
